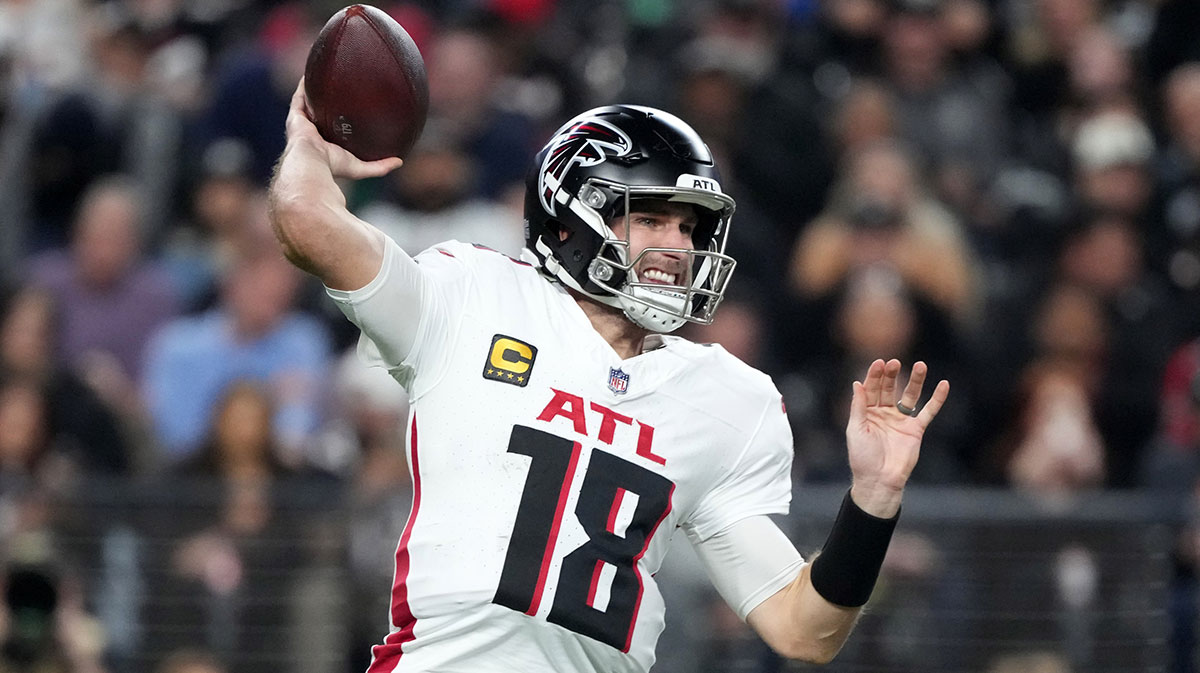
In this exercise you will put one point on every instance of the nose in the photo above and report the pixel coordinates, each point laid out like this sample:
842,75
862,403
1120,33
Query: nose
684,243
675,238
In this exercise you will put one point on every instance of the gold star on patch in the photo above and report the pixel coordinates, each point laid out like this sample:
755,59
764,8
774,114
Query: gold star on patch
510,375
491,371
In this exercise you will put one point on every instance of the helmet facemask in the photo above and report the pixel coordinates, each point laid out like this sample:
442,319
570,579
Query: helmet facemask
696,292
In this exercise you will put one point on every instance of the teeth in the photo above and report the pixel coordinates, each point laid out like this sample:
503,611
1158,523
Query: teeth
659,276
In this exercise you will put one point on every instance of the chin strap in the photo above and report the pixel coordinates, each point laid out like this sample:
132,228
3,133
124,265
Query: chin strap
642,311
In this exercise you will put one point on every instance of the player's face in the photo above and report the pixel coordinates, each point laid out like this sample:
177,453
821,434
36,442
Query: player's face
658,223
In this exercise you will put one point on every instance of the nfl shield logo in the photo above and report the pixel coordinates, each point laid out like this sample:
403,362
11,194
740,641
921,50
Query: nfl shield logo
618,381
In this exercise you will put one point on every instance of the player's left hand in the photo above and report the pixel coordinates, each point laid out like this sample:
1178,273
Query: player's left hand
884,441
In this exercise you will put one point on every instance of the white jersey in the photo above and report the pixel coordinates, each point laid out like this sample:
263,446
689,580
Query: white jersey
549,474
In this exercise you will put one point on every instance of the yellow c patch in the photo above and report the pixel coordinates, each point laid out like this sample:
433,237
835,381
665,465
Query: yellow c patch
509,360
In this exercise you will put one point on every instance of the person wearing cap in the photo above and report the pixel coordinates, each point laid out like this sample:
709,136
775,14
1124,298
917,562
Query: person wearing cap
1112,153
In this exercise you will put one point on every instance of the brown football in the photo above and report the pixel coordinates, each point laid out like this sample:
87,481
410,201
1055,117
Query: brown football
366,86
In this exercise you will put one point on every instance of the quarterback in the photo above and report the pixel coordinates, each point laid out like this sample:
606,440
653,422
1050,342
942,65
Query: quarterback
559,436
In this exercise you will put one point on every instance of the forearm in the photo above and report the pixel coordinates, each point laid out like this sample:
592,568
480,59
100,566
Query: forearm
799,624
309,217
301,189
814,615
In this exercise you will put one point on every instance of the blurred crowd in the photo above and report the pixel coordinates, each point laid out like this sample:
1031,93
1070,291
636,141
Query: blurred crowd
1006,189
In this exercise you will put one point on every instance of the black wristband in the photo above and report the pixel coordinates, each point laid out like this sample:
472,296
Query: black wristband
845,571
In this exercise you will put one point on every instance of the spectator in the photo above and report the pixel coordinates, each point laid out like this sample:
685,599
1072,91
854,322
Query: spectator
251,88
242,545
224,203
865,117
968,33
1106,258
1100,72
1172,469
225,223
1112,153
844,39
967,28
77,420
1052,445
42,51
464,72
1175,250
253,333
1182,606
105,122
110,298
435,200
1060,450
879,215
241,447
1044,100
954,118
782,160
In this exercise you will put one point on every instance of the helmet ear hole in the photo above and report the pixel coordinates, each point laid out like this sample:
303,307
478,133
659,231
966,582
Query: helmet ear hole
561,233
566,243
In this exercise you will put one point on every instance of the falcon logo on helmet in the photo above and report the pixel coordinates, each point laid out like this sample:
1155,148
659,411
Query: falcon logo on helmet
593,173
586,143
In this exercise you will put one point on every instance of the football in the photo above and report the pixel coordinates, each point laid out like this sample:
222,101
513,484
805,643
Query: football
366,86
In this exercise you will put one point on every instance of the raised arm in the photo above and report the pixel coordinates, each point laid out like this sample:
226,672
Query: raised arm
308,210
811,618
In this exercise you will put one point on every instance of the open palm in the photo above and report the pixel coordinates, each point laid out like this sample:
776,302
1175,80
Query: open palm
883,441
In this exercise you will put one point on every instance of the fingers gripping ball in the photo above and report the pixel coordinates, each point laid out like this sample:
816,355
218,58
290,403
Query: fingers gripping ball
366,86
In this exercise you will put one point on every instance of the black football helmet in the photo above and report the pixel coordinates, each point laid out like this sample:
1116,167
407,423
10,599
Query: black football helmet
589,173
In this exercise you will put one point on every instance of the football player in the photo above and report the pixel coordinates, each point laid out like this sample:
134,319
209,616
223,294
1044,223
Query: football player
559,436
